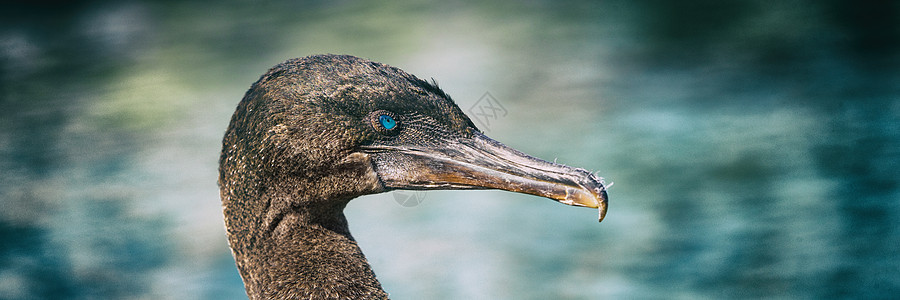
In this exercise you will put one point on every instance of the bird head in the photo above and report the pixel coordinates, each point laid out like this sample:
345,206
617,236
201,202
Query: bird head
324,129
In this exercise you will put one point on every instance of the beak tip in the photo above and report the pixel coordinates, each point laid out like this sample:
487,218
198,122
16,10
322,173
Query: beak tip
591,198
602,205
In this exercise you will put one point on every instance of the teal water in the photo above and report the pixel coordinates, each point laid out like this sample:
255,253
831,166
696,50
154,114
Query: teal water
753,147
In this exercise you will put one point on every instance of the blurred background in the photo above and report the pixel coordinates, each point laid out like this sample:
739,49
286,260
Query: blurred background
754,146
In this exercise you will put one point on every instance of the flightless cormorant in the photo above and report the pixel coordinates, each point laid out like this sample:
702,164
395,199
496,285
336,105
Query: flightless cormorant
313,133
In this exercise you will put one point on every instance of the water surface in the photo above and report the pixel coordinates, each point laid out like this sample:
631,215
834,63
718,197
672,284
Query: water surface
754,147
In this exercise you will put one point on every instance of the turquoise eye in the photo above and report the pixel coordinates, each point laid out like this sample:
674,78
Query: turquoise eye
384,122
387,122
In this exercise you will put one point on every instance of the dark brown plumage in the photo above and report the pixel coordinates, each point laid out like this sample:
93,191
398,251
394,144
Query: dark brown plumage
313,133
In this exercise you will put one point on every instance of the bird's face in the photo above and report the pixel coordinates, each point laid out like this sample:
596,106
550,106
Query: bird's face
421,140
396,131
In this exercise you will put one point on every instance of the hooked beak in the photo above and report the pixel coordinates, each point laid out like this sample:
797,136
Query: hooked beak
483,163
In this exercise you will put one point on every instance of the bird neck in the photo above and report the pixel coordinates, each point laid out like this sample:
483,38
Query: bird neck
288,232
309,255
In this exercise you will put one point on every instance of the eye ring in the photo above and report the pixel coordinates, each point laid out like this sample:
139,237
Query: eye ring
385,122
